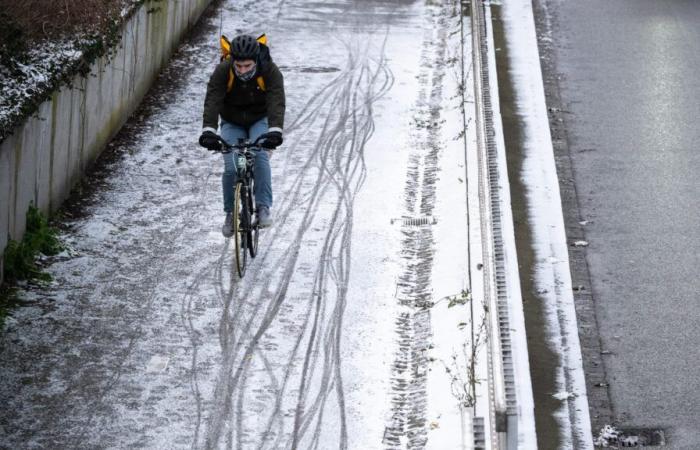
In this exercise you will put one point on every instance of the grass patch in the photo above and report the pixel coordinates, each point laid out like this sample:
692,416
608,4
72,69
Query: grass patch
20,258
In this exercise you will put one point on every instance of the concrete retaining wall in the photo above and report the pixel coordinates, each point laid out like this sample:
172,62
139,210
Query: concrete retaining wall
48,154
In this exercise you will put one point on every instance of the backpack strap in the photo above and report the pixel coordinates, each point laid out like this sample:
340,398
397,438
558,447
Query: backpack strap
231,79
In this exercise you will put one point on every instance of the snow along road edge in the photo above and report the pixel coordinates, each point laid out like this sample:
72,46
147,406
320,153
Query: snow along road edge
552,273
526,434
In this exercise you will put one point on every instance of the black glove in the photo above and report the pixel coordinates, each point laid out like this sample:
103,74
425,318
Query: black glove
271,139
210,140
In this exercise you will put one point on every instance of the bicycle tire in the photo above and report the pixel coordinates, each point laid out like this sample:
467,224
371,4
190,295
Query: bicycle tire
253,234
240,229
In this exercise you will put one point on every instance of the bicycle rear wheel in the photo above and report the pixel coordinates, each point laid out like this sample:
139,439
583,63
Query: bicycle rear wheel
241,225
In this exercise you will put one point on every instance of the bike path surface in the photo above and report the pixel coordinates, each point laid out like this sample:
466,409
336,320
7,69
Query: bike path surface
147,338
629,107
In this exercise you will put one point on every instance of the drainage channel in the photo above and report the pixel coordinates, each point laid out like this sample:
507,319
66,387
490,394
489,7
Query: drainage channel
512,424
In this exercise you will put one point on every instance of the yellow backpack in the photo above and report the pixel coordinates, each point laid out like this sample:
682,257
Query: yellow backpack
226,54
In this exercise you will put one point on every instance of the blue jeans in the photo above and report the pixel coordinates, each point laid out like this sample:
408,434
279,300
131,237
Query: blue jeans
231,133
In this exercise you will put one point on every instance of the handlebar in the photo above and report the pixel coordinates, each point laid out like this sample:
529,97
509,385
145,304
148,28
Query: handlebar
245,145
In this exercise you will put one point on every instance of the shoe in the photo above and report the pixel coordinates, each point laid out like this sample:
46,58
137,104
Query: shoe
227,228
264,217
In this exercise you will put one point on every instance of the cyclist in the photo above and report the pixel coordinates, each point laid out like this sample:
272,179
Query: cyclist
251,106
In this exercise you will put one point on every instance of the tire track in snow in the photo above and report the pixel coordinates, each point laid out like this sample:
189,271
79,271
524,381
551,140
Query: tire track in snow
407,427
287,259
338,154
225,296
174,407
339,273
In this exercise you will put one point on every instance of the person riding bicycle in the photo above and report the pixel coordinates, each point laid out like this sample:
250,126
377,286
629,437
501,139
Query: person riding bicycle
251,106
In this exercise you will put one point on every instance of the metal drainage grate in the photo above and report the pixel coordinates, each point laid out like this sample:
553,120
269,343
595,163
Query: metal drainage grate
479,433
637,437
415,221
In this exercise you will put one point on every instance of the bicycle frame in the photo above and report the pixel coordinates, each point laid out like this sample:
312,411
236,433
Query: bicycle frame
245,228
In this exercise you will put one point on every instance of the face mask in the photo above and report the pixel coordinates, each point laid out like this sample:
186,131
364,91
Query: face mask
245,76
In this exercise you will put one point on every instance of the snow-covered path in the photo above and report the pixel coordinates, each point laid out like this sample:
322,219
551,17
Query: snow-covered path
148,339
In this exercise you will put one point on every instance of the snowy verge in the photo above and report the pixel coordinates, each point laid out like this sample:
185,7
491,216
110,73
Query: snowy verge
552,274
525,435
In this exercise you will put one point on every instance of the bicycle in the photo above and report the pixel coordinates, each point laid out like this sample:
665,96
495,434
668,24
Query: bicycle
245,227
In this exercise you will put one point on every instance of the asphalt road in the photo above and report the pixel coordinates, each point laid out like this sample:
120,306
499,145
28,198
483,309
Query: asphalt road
629,92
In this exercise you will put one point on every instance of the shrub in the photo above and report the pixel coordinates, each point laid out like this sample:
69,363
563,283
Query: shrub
51,18
12,41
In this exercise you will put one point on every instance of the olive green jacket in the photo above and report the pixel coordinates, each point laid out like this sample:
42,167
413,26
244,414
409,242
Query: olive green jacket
246,103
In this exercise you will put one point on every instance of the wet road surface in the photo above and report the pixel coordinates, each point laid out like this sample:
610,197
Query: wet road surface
148,339
629,99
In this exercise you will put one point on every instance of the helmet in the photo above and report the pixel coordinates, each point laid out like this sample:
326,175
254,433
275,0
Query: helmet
245,47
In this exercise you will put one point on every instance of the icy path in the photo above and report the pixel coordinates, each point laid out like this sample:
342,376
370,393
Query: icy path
148,340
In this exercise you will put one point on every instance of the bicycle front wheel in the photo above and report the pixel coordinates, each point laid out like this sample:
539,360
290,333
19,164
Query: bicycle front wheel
240,229
253,232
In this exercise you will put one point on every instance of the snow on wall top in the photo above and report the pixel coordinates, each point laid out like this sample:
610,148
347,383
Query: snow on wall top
31,78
